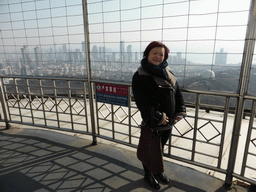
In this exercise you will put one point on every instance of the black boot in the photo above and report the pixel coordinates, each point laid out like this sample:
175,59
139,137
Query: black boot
162,178
151,180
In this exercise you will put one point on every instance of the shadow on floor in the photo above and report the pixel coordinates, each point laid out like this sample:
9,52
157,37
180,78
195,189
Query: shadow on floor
30,163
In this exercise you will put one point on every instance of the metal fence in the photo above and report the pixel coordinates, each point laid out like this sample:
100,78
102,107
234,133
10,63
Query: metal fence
46,102
202,139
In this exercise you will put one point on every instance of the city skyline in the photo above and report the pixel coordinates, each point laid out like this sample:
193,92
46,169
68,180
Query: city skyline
69,63
45,38
198,28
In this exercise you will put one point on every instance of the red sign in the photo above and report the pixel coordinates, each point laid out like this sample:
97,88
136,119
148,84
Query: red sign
112,89
113,94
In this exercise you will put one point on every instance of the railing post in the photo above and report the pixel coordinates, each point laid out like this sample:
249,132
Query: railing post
88,64
242,90
4,105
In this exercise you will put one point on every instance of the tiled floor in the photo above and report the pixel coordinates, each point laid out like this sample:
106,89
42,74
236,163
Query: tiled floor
40,160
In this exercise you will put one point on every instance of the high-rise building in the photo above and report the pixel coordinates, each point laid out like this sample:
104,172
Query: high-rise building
25,70
83,46
94,52
64,48
65,51
24,55
136,56
129,52
37,57
113,57
221,57
122,50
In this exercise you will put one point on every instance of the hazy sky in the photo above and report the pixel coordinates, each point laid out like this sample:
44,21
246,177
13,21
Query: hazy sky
196,27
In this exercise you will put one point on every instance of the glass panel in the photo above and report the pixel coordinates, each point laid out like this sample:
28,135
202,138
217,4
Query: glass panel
203,20
130,26
74,2
30,24
175,22
75,20
43,4
200,58
74,10
112,16
231,33
152,12
130,4
33,41
95,18
130,14
111,27
174,34
203,7
58,12
19,33
43,23
151,24
112,37
55,4
131,36
252,82
155,35
111,5
151,2
57,31
32,33
96,28
177,46
43,13
45,32
176,9
94,8
226,5
198,33
200,46
201,33
234,18
13,8
15,17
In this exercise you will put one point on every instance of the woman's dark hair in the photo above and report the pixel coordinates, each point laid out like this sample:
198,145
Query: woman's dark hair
154,44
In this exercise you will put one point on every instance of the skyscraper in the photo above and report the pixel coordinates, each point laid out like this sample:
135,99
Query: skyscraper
221,57
122,50
94,52
24,55
129,52
37,57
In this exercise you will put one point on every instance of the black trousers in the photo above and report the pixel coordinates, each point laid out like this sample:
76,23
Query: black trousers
164,138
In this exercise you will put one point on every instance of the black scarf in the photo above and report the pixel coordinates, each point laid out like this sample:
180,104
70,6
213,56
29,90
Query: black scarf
155,70
161,73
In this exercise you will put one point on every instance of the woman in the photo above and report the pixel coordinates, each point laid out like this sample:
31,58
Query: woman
160,101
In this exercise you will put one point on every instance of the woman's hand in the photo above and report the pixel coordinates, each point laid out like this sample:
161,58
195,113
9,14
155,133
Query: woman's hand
178,118
166,121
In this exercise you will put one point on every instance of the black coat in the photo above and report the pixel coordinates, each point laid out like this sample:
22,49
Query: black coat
149,96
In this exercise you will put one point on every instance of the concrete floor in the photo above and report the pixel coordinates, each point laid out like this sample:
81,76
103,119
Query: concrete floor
42,160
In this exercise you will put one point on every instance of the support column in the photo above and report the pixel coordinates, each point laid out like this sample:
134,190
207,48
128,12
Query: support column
242,90
88,64
4,105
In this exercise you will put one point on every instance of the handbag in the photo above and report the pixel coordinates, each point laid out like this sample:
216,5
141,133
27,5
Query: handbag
149,150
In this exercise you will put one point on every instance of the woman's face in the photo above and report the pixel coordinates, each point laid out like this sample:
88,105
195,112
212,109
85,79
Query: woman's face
156,55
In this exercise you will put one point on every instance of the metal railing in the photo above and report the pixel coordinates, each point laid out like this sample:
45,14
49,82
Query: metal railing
202,139
59,103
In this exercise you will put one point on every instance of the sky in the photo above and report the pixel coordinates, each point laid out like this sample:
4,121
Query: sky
199,27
